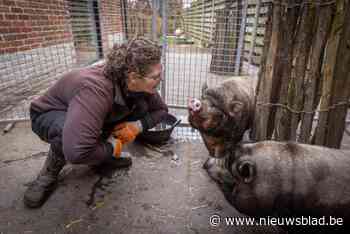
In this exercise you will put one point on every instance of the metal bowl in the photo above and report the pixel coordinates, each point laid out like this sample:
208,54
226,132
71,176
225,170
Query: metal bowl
162,132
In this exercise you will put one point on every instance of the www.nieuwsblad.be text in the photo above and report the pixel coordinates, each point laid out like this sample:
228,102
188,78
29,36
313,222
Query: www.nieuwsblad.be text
217,220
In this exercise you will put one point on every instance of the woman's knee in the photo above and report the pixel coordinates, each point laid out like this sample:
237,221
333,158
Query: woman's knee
49,126
72,154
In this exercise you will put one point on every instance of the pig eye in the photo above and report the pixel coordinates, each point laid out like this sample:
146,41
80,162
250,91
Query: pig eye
247,171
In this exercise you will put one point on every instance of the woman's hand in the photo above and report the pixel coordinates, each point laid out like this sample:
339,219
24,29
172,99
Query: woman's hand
117,145
126,132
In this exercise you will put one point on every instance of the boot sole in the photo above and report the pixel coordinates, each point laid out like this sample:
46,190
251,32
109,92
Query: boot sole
37,204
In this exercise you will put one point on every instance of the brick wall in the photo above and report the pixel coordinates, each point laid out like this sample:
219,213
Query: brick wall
29,24
111,23
36,46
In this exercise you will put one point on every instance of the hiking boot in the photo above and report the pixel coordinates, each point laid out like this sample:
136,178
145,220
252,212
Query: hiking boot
46,182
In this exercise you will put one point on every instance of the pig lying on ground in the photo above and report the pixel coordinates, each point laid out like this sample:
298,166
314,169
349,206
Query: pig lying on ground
222,116
288,179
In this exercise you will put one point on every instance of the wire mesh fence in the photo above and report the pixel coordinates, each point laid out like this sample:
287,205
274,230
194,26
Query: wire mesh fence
204,41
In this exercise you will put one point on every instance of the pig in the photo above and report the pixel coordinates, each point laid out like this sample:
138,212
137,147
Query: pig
222,116
289,179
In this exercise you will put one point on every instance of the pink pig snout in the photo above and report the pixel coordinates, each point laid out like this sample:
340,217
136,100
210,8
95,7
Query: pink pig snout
194,105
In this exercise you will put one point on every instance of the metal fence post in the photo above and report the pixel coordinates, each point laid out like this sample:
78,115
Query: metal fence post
212,22
124,19
164,48
154,19
241,37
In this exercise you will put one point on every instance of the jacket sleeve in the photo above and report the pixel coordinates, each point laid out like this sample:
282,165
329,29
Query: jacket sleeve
84,120
157,109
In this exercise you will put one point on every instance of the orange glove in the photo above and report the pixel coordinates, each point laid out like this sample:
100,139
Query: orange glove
117,145
127,131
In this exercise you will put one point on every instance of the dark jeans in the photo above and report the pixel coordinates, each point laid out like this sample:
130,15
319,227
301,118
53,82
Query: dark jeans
48,126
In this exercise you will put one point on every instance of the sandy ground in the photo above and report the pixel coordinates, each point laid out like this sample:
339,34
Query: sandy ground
156,195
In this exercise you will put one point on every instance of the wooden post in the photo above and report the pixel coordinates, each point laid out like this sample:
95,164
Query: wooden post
328,74
283,115
268,76
301,51
341,86
312,77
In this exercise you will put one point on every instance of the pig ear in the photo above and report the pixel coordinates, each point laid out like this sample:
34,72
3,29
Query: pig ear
247,171
204,87
236,109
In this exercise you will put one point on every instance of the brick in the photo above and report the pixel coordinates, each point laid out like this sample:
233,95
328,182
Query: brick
16,10
26,29
17,43
44,17
33,46
4,9
36,29
17,23
9,50
29,11
9,38
11,16
14,30
33,34
4,30
42,1
8,2
42,23
33,41
25,47
23,17
39,5
22,3
17,29
13,37
34,17
40,11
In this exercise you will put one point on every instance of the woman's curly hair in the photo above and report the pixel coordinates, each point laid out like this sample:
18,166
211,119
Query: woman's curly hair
134,56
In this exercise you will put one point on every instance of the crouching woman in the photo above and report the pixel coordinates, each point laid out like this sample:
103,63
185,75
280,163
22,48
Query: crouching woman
90,113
